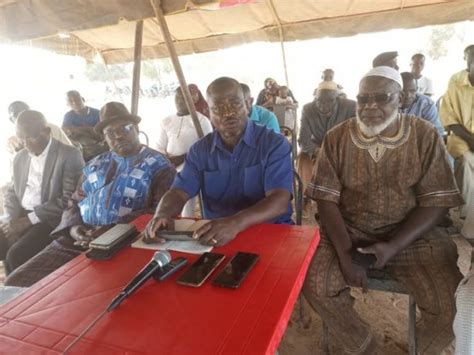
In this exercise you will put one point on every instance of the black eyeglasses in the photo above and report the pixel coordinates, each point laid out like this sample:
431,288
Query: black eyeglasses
364,99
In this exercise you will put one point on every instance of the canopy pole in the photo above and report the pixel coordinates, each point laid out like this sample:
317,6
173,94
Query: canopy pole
177,66
282,44
137,59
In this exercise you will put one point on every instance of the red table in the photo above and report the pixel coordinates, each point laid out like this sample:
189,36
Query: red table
164,318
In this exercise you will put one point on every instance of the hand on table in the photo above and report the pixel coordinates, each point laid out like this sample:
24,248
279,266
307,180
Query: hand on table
155,224
83,234
218,232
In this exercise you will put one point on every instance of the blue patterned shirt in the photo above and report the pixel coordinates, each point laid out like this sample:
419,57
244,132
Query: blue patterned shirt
425,108
114,186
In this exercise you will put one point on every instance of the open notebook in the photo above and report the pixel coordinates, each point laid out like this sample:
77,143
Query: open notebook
191,247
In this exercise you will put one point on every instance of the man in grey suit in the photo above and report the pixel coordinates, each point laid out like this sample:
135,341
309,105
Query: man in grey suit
45,174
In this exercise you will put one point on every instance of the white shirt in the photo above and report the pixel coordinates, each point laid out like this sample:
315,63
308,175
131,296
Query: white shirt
425,86
177,134
32,195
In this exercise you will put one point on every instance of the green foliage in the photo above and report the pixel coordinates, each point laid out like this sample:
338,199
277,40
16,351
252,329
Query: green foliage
438,39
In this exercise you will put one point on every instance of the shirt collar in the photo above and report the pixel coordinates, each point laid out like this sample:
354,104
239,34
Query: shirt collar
247,137
465,79
45,151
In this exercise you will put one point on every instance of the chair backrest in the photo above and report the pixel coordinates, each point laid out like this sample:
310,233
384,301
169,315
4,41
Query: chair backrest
298,197
145,136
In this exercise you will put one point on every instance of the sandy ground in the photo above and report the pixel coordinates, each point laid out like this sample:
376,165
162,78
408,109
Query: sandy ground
390,330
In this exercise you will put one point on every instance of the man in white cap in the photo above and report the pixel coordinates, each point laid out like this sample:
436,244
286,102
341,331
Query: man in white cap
382,182
319,116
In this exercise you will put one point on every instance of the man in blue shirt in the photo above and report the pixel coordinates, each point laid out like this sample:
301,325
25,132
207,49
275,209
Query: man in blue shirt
243,171
78,124
259,114
419,105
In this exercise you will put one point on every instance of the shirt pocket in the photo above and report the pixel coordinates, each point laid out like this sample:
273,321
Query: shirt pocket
253,182
214,184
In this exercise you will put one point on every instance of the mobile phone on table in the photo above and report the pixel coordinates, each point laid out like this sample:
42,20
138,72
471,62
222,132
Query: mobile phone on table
175,235
201,269
236,270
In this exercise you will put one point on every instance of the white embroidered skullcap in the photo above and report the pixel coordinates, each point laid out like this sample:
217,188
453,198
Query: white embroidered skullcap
328,85
386,72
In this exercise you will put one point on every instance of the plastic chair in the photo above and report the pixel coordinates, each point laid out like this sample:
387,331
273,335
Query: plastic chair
147,140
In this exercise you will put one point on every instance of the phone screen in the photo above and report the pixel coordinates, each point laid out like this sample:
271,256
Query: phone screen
236,270
201,269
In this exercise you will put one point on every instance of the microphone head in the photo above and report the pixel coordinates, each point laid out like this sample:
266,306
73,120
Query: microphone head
162,257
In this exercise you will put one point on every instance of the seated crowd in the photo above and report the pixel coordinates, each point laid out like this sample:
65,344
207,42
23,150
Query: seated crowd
377,167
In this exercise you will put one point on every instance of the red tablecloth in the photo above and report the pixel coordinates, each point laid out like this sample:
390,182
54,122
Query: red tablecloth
164,317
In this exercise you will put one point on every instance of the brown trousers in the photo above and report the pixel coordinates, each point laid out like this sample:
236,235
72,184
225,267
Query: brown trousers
428,271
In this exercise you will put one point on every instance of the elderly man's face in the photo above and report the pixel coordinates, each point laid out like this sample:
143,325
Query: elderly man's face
122,138
229,113
326,101
377,104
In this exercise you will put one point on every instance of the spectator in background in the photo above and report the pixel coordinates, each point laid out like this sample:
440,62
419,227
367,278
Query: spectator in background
14,110
457,115
45,173
79,126
424,84
290,106
266,97
176,135
328,75
257,113
200,102
387,59
419,105
318,117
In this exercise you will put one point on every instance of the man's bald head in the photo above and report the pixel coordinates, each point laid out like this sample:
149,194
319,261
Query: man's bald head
15,108
32,130
224,86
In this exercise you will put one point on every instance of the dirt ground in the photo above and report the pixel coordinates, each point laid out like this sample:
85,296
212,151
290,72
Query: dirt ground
390,330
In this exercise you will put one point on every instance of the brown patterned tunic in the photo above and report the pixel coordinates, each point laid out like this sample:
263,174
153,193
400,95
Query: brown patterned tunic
378,181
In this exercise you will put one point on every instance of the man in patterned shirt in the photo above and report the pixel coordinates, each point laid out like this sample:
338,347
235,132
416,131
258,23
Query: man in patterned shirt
382,182
115,187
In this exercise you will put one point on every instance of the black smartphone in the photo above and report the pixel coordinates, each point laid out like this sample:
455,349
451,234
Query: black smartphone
201,269
365,260
236,270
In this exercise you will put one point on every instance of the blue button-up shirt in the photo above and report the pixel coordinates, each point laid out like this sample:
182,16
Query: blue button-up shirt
425,108
264,117
233,181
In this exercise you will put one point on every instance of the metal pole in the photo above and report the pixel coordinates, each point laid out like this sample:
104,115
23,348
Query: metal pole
177,66
137,59
271,5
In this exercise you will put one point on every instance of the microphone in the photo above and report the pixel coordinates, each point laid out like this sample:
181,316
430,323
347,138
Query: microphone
160,259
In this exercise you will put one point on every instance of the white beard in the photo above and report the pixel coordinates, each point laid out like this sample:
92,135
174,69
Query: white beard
372,131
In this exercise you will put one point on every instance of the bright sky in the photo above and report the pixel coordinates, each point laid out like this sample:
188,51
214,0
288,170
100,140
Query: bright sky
41,78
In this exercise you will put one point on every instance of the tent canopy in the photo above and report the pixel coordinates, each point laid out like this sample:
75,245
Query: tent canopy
89,27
